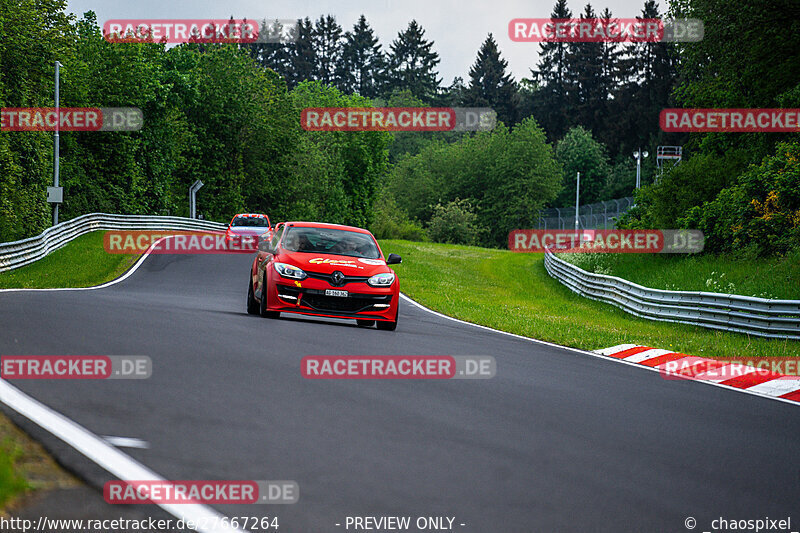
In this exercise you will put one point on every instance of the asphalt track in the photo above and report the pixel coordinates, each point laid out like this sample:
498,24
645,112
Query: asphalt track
557,441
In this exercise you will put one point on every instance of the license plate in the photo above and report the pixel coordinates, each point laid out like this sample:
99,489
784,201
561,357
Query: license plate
333,292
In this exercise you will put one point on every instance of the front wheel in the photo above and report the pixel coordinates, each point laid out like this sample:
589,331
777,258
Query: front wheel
262,305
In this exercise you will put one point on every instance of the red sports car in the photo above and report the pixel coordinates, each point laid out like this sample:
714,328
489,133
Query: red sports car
324,270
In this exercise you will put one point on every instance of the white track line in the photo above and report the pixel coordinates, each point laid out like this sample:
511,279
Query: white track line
616,349
595,354
115,461
95,448
120,279
106,456
126,442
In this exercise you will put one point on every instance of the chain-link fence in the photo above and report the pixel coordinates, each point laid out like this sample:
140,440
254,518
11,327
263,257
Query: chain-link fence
602,215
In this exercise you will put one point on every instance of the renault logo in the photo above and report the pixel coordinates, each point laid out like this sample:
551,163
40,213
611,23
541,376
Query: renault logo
337,278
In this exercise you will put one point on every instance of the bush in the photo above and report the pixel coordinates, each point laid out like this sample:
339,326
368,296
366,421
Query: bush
391,222
621,179
760,213
455,223
683,187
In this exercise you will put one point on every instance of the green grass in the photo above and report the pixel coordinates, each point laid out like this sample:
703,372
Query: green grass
512,292
764,278
12,483
24,467
81,263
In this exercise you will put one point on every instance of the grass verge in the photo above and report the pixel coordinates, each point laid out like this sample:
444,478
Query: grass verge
25,467
513,292
12,482
83,262
763,277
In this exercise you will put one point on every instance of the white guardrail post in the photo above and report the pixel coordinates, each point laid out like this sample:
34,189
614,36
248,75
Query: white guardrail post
20,253
761,317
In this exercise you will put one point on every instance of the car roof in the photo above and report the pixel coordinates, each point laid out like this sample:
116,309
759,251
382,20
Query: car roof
247,215
326,225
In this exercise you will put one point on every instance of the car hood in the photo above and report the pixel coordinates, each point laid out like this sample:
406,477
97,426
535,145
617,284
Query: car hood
326,264
248,230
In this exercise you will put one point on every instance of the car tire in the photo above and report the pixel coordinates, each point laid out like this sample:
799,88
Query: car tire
365,323
262,304
252,303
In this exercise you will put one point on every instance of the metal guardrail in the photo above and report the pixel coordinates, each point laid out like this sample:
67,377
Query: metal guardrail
729,312
20,253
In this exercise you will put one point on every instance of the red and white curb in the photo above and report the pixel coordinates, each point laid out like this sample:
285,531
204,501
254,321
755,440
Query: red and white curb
767,384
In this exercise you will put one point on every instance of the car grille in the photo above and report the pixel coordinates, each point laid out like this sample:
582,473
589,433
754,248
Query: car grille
329,278
318,301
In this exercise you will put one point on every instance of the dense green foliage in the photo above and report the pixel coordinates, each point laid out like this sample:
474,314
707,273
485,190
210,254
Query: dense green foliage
229,115
579,152
760,213
506,175
741,189
211,113
455,223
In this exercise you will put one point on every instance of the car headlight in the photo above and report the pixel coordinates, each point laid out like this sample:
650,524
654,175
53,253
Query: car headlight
289,271
381,280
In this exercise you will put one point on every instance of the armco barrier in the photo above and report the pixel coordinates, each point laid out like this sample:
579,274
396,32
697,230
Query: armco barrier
20,253
728,312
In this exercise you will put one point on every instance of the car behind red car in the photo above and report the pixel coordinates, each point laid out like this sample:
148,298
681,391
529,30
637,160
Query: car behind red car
245,229
324,270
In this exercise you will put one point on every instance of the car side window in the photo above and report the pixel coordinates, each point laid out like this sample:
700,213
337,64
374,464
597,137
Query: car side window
276,236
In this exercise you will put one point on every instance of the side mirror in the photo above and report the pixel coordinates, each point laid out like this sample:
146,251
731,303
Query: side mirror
394,259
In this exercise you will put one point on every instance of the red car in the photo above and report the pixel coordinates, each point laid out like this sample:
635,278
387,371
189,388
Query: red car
324,270
245,229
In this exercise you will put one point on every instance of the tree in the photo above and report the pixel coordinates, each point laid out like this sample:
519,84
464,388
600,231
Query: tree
490,85
412,64
584,78
363,62
271,51
747,59
615,121
577,152
453,96
327,39
507,175
551,107
354,162
303,53
35,33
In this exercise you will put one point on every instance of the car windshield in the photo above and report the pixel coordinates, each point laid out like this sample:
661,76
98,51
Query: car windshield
330,241
255,222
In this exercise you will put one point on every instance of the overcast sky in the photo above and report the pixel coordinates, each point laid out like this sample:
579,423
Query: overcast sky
457,27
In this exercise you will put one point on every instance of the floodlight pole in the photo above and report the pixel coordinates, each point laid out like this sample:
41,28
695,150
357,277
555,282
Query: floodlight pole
577,200
56,144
